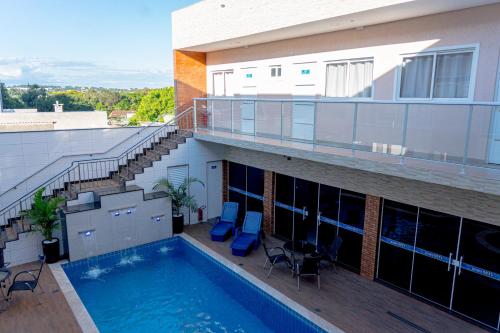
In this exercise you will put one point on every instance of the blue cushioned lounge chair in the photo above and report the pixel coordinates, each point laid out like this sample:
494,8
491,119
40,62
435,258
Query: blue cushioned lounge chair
248,236
226,223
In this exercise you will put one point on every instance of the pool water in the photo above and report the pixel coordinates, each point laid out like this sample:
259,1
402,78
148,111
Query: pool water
171,286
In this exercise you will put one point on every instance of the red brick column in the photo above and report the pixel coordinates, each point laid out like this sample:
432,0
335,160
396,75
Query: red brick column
369,249
225,181
268,202
190,81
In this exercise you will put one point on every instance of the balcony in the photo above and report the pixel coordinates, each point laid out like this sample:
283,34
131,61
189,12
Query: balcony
446,144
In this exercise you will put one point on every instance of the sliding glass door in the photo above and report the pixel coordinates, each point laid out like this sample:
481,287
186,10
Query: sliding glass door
451,261
246,187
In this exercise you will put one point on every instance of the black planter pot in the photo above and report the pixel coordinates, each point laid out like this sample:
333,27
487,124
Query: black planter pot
178,223
51,250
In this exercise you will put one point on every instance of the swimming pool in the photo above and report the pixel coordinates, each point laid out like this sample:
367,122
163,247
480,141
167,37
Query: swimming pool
172,286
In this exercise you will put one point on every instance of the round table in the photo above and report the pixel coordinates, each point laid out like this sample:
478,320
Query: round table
300,247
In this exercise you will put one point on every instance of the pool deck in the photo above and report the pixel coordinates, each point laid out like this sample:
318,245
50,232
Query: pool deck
46,311
347,300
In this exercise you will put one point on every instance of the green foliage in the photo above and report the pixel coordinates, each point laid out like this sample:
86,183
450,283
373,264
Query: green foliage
133,121
156,103
180,196
43,214
10,101
150,104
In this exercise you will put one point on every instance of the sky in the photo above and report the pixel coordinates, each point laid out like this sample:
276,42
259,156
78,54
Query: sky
100,43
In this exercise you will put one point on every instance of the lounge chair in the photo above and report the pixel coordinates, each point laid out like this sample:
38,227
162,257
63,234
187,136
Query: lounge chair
308,267
226,222
276,255
29,282
248,236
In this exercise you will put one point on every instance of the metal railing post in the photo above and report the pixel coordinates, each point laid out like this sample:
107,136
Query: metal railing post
314,124
232,116
195,123
405,128
213,116
467,137
281,120
354,125
254,118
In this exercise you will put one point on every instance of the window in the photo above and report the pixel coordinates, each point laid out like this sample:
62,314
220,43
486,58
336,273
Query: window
436,75
275,71
351,78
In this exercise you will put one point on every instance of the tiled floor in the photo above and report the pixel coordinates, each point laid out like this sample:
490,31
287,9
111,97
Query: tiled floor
346,299
43,312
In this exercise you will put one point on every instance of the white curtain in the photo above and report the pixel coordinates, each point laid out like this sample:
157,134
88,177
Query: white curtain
360,79
452,76
416,76
336,77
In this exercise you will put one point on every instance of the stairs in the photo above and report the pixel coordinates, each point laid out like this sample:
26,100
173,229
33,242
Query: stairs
114,179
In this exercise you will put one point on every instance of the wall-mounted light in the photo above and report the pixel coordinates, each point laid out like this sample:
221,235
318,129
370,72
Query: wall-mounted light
157,218
86,233
123,211
116,214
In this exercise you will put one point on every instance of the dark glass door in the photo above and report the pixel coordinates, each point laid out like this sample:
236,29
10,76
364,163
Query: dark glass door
283,208
237,187
306,209
477,281
351,221
435,248
329,198
255,189
399,223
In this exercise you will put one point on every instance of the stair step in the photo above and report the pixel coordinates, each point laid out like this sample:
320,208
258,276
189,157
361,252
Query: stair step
11,233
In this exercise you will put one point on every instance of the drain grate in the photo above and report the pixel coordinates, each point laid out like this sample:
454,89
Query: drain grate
406,321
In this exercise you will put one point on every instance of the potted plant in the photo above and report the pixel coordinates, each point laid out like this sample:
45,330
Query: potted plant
43,217
180,197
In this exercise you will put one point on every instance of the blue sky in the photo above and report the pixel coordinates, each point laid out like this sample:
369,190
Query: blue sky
108,43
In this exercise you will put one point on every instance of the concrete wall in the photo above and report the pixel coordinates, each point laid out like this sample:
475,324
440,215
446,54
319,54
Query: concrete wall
23,154
113,233
469,204
385,43
26,249
195,154
59,120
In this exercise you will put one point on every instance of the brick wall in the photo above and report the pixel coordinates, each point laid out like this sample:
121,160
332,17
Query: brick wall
369,249
268,202
190,81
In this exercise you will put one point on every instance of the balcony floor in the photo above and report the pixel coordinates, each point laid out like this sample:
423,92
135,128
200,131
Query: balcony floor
475,178
347,300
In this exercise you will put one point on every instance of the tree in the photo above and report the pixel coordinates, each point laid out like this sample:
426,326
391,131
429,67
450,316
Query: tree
36,97
156,103
10,101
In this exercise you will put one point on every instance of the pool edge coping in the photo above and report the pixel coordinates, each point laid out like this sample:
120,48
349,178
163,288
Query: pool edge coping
287,301
82,316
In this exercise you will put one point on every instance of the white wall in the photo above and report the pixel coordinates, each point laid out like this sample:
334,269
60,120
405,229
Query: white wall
234,23
26,249
113,233
194,153
23,154
59,120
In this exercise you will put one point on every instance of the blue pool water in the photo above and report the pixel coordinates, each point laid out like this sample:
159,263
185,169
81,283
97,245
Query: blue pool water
171,286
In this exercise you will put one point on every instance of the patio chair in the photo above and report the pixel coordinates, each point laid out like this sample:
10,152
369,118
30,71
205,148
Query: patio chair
275,258
226,222
28,283
308,267
331,252
4,276
248,236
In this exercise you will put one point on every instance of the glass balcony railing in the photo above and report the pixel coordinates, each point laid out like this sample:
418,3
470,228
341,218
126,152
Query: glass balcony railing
454,133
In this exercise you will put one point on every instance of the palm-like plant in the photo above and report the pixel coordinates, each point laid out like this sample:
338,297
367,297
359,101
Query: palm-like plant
179,195
43,213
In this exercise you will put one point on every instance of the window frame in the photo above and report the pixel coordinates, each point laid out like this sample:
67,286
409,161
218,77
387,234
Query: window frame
277,68
349,62
434,52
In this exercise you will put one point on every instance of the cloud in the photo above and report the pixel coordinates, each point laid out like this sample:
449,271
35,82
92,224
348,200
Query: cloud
15,71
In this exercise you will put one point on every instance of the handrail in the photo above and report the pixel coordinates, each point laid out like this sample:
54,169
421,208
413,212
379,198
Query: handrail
345,100
143,128
75,164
